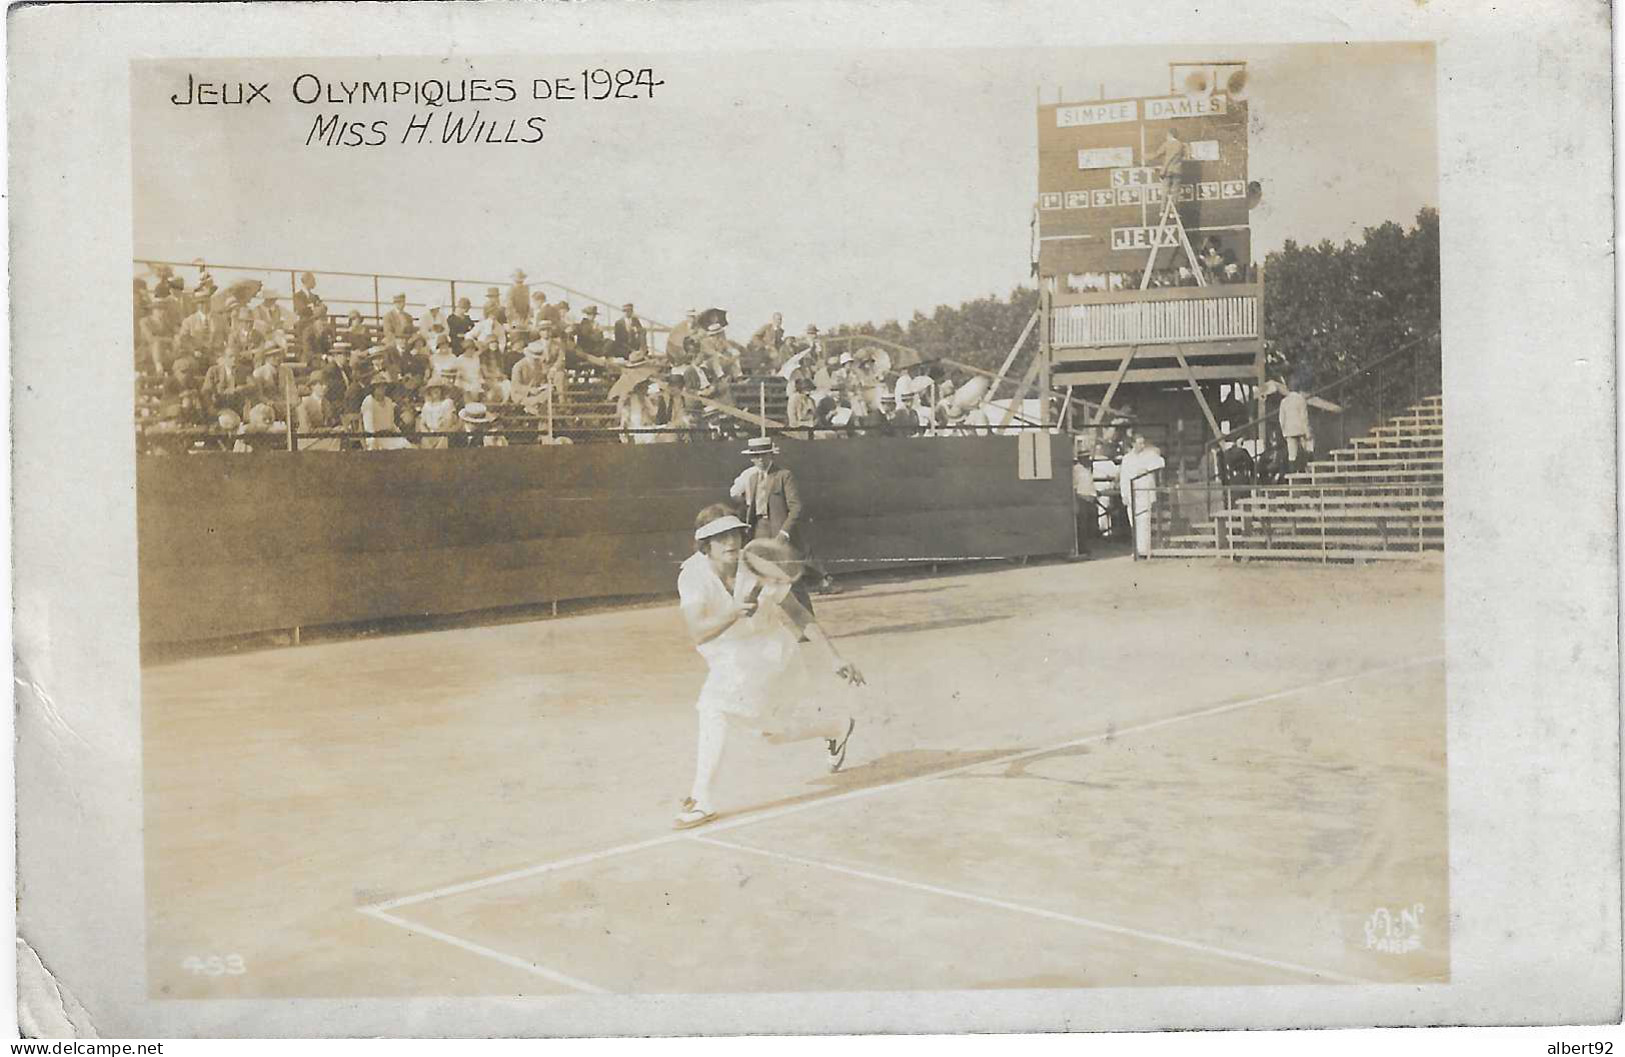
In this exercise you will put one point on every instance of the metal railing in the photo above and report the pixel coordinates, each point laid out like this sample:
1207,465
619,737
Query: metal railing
369,289
1319,522
1392,382
200,439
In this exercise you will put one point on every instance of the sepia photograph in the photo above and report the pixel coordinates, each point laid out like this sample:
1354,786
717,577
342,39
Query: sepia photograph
665,520
1004,552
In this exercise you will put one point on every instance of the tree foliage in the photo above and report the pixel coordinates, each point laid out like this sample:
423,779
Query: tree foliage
1329,310
978,332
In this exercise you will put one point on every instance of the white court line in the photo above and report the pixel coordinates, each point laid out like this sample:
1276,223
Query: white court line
1053,915
487,952
873,790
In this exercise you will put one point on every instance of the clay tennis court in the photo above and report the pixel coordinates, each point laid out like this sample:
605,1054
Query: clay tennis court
1093,774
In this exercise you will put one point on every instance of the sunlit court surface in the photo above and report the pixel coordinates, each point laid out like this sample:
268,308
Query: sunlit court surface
1064,775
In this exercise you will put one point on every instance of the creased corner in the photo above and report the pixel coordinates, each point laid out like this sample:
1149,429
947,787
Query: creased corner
46,1009
55,721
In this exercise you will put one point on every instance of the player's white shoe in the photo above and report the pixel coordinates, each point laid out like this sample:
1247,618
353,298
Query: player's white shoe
837,747
691,815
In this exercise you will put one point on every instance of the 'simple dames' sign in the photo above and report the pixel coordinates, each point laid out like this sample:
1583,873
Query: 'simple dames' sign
1163,109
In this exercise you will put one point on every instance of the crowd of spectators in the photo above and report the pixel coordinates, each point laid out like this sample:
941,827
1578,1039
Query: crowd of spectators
235,368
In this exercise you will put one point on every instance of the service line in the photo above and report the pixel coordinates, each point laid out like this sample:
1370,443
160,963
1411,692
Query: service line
752,818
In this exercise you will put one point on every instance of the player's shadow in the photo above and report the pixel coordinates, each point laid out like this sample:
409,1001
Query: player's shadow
889,769
924,625
865,594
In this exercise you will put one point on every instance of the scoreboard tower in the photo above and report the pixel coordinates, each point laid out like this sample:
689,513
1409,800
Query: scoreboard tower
1100,199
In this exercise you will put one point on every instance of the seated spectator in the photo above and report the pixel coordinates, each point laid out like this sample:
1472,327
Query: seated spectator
230,425
476,421
315,414
443,365
199,335
226,384
459,323
318,333
470,372
433,326
259,431
589,339
630,336
355,335
439,414
378,418
492,309
678,412
155,341
800,409
269,314
397,322
539,375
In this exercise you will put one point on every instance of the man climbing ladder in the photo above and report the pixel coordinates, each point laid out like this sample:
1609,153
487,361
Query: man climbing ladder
1172,156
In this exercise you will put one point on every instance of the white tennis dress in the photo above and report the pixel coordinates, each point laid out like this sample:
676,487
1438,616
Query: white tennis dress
756,668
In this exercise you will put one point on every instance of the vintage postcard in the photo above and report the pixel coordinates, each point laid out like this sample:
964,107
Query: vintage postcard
697,519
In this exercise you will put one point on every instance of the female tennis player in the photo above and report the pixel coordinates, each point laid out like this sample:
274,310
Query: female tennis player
737,604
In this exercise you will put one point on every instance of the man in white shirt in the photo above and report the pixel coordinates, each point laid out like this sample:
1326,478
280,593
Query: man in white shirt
1087,508
1138,481
1294,415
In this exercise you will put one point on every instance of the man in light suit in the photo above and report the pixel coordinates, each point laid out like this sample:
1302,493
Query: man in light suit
397,322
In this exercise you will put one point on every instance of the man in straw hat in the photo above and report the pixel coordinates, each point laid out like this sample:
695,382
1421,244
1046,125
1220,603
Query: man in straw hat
477,419
771,504
736,602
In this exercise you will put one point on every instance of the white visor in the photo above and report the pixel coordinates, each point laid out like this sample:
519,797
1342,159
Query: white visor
719,526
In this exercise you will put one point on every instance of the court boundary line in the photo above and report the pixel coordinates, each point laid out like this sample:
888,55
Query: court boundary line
510,960
752,818
1022,908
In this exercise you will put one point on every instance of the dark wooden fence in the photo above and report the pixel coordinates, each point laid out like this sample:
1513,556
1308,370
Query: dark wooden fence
236,543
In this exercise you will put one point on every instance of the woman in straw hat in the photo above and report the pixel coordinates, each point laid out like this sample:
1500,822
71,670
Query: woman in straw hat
737,604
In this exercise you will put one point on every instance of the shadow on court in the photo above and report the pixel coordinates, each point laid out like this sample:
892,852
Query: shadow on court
885,770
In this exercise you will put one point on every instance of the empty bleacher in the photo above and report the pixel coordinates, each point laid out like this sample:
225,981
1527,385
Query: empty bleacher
1379,499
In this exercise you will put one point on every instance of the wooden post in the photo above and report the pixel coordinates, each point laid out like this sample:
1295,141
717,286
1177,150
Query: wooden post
377,306
290,395
1043,359
1111,390
1190,376
761,404
1021,391
1004,368
1263,427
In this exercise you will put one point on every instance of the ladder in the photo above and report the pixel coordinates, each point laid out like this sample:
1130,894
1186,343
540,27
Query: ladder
1170,208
